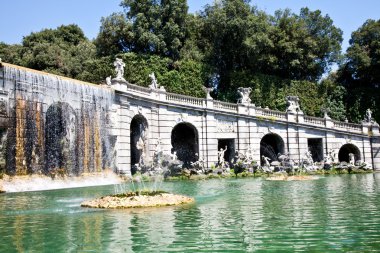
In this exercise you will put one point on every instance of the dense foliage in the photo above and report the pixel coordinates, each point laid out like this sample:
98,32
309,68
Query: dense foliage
229,44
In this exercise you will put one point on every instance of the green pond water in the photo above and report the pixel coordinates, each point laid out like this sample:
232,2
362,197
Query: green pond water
331,214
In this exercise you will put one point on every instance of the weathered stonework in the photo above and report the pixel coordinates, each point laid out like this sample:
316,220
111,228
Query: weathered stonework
102,117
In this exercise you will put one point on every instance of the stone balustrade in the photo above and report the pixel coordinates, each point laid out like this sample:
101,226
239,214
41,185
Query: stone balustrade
270,113
225,106
234,108
314,120
347,126
184,99
139,89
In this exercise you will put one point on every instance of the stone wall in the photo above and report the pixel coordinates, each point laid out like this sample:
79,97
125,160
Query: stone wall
48,122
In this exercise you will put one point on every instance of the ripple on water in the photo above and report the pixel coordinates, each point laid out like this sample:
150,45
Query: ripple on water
332,214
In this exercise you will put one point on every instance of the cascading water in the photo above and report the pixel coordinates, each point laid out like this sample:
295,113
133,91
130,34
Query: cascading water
56,124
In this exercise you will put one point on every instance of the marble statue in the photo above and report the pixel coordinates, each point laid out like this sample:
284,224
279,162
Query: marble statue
208,91
244,95
221,155
108,81
119,68
154,84
249,154
173,156
368,115
292,103
266,160
308,158
330,156
351,158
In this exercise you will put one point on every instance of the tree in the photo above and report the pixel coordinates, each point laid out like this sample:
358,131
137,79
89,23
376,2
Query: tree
114,36
226,24
306,45
147,27
61,51
359,73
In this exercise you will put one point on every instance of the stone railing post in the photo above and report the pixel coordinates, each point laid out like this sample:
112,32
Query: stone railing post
162,93
375,129
366,127
252,110
300,117
209,103
243,109
291,116
328,121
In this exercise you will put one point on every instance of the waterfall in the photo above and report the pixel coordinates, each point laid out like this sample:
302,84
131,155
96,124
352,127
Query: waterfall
56,125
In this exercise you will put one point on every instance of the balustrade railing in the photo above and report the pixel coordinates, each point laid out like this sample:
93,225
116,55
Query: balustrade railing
348,126
314,120
184,99
139,89
270,113
225,106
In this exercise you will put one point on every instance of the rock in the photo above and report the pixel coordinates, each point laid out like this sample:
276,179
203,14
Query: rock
1,189
139,201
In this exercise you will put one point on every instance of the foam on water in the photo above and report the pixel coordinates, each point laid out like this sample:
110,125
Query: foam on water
40,183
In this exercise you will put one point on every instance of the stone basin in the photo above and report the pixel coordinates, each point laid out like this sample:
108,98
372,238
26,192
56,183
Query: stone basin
136,200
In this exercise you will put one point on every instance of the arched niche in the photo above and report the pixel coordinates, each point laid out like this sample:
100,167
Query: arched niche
139,145
184,139
61,139
270,146
346,150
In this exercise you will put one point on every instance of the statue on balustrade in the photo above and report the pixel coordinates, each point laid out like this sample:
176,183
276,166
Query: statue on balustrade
244,95
119,69
154,84
368,116
292,103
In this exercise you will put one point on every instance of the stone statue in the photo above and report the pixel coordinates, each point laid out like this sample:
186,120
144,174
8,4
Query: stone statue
244,95
173,156
351,157
266,160
326,113
221,155
208,91
153,85
292,103
283,158
108,81
308,158
250,153
330,156
140,145
119,69
158,149
368,115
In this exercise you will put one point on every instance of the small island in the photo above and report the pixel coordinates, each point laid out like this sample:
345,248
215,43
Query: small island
138,200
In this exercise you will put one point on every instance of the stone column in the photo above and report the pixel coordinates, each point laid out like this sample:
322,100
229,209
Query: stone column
121,118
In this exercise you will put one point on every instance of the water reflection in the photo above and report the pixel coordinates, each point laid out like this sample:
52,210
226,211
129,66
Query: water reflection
332,214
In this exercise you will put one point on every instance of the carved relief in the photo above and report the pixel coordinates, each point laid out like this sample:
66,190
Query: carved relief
224,126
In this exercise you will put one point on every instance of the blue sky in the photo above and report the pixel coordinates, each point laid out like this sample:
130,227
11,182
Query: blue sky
21,17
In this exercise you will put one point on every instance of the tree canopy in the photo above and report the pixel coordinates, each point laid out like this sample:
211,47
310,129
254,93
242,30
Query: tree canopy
229,44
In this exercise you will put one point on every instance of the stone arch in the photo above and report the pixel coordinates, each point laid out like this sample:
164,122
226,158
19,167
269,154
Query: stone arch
61,138
345,150
270,146
138,135
184,140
